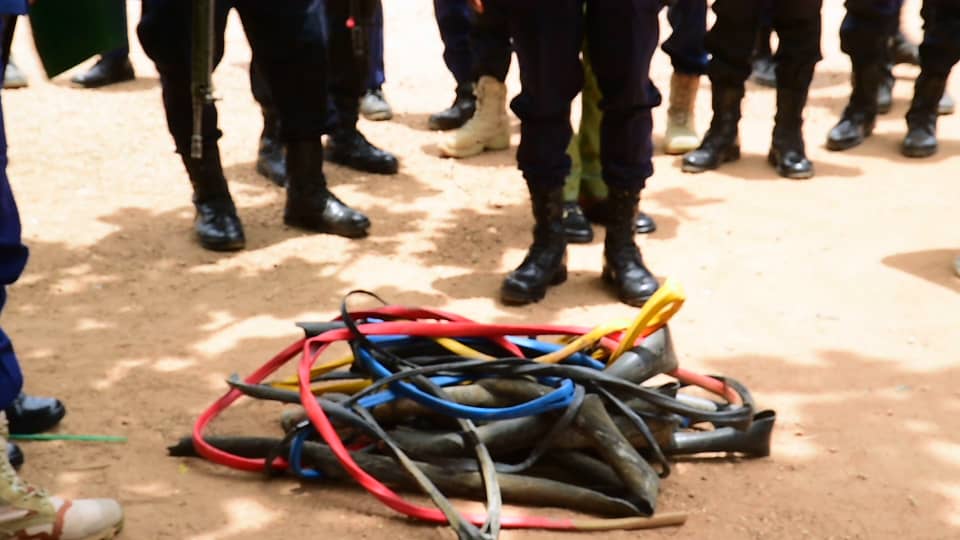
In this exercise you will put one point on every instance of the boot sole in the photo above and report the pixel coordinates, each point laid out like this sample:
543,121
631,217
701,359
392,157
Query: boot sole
276,179
607,277
497,144
512,297
918,152
322,229
350,164
108,534
772,160
730,155
379,116
221,246
839,146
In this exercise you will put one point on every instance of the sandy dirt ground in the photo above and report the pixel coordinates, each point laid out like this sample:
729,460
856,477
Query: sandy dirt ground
833,299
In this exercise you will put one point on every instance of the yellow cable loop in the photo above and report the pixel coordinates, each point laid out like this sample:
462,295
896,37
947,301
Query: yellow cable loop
654,314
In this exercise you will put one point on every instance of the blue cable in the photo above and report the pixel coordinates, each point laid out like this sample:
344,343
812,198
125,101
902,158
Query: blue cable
557,399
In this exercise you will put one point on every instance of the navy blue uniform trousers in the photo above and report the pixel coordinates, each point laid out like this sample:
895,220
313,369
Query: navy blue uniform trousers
732,38
13,259
686,45
940,49
547,36
455,19
867,28
287,40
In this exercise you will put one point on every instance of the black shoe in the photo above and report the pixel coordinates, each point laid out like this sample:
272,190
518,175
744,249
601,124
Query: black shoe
14,456
720,143
902,51
348,147
860,116
545,263
787,151
764,72
921,139
455,116
623,266
107,70
885,90
310,205
576,227
645,224
271,158
32,414
216,225
946,105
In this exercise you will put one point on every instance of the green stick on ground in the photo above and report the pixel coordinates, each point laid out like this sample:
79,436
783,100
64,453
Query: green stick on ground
66,437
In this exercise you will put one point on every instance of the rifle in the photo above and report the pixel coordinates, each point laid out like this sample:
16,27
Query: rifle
201,85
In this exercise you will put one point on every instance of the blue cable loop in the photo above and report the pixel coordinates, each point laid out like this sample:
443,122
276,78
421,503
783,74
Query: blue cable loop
557,399
296,456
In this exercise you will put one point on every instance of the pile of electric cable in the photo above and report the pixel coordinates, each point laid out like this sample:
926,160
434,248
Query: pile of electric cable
571,417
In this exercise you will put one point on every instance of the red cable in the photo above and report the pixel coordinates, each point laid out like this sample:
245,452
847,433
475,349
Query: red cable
455,326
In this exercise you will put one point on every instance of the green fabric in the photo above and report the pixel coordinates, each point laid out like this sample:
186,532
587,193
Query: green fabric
67,32
586,173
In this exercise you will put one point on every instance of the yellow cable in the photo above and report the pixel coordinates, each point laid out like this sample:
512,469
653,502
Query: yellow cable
655,313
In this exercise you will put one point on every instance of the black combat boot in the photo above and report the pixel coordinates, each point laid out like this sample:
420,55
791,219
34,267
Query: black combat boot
455,116
885,90
348,147
788,152
921,139
310,205
545,263
645,223
860,116
764,67
108,70
623,266
721,142
576,226
271,156
903,51
217,225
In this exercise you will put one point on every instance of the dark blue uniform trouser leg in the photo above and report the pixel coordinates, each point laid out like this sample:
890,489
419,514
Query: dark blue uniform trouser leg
731,41
288,47
940,49
686,45
377,72
122,52
867,28
547,35
13,258
455,18
490,41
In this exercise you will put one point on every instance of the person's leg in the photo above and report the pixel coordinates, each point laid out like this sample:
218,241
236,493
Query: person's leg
349,56
939,53
287,40
373,105
271,155
764,69
113,66
864,34
730,42
25,511
454,19
687,50
547,35
622,37
798,24
164,32
489,127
